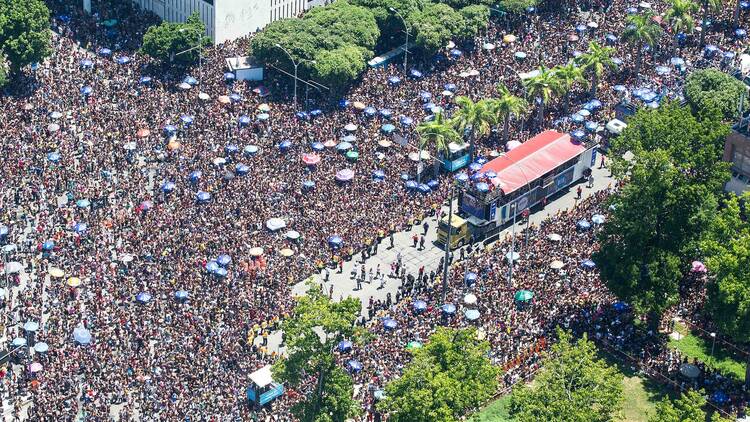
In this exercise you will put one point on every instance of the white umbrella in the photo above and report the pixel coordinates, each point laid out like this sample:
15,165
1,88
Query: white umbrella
274,224
415,156
291,234
129,146
470,299
185,85
219,161
351,127
13,268
514,256
554,237
473,72
488,46
556,265
126,258
203,96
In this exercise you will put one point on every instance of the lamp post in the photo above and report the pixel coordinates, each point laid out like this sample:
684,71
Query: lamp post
447,244
200,51
296,65
713,344
406,30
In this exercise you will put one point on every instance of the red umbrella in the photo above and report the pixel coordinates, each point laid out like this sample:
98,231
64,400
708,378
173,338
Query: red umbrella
311,159
143,132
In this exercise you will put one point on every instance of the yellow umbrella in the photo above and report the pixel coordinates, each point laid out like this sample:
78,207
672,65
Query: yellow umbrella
358,105
286,252
224,99
56,272
509,38
173,145
74,282
256,251
264,107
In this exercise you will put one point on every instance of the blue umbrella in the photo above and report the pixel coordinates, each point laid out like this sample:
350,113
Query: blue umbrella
308,185
597,219
472,314
424,188
390,324
577,118
370,111
450,87
388,128
212,266
710,50
740,33
168,187
344,346
475,166
190,80
470,278
181,295
480,160
394,80
461,177
428,106
581,28
588,264
378,175
663,70
449,308
53,156
87,63
592,105
195,176
41,347
302,115
410,184
285,145
250,150
317,146
48,245
229,76
425,96
221,272
317,112
354,365
170,129
583,112
405,121
619,88
186,120
728,55
433,184
18,342
235,97
105,51
82,336
414,73
203,196
145,80
83,203
620,306
31,326
386,112
4,230
591,126
80,228
263,116
617,61
224,260
123,60
244,120
143,297
456,53
343,103
231,149
241,169
343,146
520,55
611,38
578,135
419,305
744,5
482,187
405,176
335,241
583,225
631,10
719,397
86,90
349,138
476,177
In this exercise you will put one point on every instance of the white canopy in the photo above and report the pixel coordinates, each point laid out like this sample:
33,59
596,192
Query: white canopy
262,377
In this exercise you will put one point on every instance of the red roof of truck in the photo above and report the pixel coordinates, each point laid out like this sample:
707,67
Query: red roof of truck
532,159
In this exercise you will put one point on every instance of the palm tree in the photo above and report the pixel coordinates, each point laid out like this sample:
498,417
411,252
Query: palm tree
641,31
595,60
680,18
709,6
438,132
542,86
567,76
507,106
476,118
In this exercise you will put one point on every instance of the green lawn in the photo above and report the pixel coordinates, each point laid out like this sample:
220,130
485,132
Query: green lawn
696,347
497,411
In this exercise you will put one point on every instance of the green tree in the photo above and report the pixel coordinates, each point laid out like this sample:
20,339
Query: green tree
344,24
445,379
3,73
438,132
435,25
315,328
711,88
542,87
595,60
477,17
568,75
680,19
165,40
24,32
507,106
687,408
517,6
338,68
574,385
389,23
641,30
473,118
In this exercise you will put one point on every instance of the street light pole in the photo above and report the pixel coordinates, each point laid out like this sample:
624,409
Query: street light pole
713,344
406,30
295,64
447,245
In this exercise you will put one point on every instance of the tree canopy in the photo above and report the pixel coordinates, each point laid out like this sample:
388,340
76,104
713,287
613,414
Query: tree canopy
711,88
165,40
312,332
24,33
686,408
574,385
447,377
436,24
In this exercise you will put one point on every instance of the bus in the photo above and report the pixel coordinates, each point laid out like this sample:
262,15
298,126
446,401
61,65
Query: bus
523,177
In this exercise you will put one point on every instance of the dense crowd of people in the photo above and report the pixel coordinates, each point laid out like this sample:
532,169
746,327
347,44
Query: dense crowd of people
119,192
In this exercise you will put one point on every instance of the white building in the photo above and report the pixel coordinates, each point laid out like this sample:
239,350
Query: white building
228,19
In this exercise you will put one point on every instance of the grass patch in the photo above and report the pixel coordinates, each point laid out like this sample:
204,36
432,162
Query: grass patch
695,347
497,411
